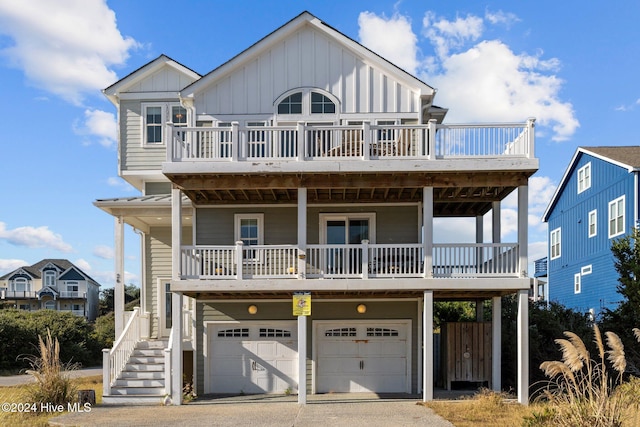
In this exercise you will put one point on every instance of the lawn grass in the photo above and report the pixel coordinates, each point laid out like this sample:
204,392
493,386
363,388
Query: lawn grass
17,394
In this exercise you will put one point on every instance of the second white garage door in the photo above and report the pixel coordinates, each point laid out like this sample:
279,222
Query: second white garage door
366,356
252,358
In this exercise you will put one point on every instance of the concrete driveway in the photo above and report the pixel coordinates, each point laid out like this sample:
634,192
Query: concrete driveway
332,410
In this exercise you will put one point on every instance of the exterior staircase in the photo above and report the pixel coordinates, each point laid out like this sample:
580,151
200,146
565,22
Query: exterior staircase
142,382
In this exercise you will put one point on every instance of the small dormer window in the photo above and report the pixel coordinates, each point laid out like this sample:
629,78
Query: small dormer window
292,104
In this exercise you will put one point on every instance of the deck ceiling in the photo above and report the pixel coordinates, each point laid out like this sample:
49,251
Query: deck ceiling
455,194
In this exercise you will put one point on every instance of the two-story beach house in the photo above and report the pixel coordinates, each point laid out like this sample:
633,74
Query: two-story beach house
595,203
287,221
54,284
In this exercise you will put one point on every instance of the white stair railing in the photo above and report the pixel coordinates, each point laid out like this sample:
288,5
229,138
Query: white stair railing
115,359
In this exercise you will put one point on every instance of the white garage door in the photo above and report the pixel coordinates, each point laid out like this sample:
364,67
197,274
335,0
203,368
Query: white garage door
253,358
363,357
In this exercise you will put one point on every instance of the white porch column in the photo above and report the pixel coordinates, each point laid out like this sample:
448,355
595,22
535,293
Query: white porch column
427,225
523,217
302,233
176,348
523,346
496,343
118,290
176,297
302,360
427,345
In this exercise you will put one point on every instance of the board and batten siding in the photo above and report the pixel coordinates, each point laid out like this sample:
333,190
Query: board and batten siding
321,310
165,79
578,250
306,58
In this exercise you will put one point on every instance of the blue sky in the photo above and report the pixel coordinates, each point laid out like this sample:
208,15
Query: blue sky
572,65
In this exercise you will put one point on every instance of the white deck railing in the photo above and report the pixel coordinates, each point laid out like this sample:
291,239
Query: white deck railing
366,142
115,359
19,294
348,261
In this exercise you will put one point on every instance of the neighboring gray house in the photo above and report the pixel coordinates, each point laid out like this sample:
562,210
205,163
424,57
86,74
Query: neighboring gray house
304,173
54,284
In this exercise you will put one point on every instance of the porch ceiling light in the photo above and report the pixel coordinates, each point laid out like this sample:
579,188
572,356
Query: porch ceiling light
361,308
252,309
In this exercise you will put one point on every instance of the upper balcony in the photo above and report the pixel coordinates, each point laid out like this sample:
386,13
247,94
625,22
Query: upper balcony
304,143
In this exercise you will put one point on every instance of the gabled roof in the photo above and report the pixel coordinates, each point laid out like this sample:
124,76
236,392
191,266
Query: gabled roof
35,270
144,71
306,18
625,156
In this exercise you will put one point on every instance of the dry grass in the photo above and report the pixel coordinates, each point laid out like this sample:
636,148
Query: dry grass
487,408
19,394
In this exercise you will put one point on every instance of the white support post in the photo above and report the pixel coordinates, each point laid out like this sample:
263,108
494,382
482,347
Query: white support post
523,223
302,360
118,291
427,225
366,142
235,141
496,343
302,233
176,233
301,138
523,347
427,343
176,348
495,221
431,141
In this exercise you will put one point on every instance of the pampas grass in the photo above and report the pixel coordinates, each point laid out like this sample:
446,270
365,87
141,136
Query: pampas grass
580,391
52,381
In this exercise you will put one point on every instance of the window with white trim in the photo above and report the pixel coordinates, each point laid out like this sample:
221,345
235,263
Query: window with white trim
154,117
50,305
587,269
50,278
249,228
593,223
584,178
555,243
20,284
577,285
616,217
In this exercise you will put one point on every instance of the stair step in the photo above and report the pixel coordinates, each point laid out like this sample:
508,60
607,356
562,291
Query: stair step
134,367
136,391
160,344
142,375
146,359
129,400
136,382
148,352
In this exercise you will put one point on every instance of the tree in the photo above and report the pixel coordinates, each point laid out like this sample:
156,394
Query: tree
624,318
131,293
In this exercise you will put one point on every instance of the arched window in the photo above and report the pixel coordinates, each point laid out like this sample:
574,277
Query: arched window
307,102
321,104
50,305
292,104
49,278
20,284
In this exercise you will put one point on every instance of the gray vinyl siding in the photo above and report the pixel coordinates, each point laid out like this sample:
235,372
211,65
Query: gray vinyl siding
133,155
237,311
158,265
394,224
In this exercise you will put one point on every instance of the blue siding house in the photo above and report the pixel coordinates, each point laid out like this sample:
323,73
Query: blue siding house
595,203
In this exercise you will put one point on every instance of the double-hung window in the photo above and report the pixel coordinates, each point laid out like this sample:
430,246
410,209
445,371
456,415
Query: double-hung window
555,243
577,283
49,278
584,178
154,116
249,229
616,217
593,223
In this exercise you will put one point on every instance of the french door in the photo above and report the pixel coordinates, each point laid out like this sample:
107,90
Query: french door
338,233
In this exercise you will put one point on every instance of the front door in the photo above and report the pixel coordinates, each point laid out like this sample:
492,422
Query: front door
164,307
340,231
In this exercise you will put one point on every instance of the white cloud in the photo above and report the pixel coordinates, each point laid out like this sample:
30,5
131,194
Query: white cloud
479,80
34,237
393,38
120,183
99,124
66,47
8,265
83,265
102,251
